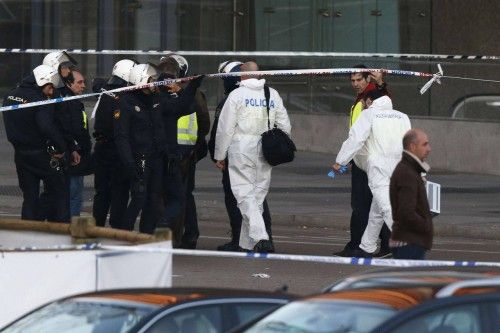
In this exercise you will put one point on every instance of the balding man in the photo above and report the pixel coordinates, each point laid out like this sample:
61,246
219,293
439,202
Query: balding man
412,230
242,121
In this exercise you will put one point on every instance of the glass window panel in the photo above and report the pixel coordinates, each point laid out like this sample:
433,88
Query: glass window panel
453,319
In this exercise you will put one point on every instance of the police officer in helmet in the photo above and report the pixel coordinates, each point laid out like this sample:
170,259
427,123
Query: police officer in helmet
175,102
191,132
111,184
29,130
140,140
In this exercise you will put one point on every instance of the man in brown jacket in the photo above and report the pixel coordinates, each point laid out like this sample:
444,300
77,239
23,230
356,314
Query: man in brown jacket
412,230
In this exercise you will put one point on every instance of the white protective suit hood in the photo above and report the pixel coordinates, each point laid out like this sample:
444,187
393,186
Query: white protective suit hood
384,103
255,84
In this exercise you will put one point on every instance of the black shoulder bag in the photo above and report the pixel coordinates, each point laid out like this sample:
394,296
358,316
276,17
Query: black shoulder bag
277,146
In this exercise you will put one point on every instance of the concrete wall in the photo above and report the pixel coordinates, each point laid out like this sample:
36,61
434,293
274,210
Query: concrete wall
462,146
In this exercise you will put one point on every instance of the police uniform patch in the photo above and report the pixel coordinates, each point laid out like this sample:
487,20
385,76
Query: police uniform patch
137,109
116,114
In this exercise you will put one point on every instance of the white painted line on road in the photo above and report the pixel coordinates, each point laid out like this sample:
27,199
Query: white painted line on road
341,244
288,242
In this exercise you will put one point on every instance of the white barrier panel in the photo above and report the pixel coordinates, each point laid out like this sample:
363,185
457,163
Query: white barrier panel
128,269
29,279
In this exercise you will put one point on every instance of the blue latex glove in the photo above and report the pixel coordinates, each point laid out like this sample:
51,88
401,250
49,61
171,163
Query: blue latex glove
343,169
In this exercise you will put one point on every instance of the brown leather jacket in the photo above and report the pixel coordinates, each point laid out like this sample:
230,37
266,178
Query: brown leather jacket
410,208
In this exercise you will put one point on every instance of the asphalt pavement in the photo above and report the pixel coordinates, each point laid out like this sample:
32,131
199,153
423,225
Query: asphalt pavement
310,214
301,194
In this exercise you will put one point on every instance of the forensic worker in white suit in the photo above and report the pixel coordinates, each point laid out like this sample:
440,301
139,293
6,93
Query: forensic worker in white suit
242,121
379,132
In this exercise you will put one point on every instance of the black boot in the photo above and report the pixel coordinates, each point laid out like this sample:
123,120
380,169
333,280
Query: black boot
264,246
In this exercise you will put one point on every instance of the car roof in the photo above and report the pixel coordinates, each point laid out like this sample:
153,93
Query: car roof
171,296
434,276
435,305
398,298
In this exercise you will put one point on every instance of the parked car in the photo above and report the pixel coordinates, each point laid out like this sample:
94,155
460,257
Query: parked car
429,276
471,306
171,310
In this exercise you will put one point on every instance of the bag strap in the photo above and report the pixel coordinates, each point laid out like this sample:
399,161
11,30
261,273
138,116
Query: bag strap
267,95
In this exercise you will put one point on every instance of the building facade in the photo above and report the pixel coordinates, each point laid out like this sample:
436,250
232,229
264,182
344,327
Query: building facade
369,26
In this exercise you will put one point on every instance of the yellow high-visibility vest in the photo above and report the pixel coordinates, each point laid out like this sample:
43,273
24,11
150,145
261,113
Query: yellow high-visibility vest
84,120
355,112
187,129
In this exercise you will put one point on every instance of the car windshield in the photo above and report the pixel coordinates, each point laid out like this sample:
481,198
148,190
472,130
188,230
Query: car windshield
82,315
323,316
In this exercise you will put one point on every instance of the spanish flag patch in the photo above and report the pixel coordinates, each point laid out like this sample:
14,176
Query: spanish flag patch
116,114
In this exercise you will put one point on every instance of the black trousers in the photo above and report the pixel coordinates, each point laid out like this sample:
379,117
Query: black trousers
173,198
189,213
33,167
111,186
145,193
235,218
361,200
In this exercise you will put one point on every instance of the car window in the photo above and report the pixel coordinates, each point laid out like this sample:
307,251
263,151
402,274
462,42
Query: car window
457,319
203,319
478,107
73,316
496,317
323,317
247,312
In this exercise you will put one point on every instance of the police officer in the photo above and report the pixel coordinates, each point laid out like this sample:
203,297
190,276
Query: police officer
63,63
174,103
140,140
110,182
191,132
28,130
235,218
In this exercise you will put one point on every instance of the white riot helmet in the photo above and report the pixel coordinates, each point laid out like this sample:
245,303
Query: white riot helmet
121,71
46,74
181,61
140,74
228,66
54,59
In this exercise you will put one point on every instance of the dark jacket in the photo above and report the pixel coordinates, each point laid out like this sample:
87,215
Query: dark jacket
172,108
203,119
72,120
138,127
108,104
31,128
410,208
213,132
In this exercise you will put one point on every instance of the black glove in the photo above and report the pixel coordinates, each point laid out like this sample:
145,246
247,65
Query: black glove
196,83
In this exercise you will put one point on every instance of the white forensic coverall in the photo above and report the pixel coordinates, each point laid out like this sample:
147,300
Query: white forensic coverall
379,130
242,121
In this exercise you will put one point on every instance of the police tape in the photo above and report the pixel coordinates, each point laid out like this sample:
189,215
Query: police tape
307,258
265,256
326,71
258,54
81,247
